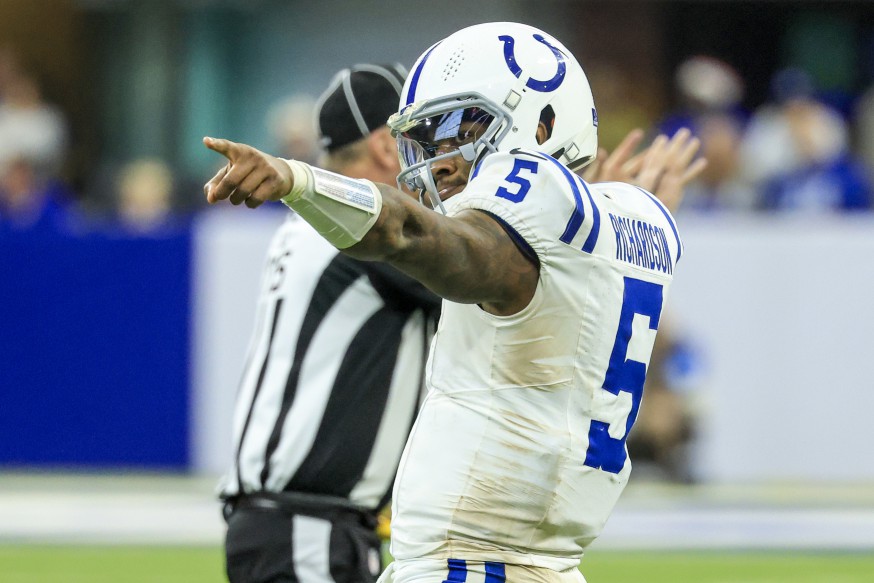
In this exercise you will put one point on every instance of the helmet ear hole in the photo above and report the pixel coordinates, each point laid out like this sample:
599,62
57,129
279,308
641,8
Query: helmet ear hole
547,119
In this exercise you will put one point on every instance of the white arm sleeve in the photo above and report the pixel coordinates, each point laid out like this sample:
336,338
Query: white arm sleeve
341,209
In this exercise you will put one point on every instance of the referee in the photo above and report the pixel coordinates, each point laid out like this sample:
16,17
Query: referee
333,376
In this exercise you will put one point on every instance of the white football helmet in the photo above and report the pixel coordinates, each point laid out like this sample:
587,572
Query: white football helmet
488,86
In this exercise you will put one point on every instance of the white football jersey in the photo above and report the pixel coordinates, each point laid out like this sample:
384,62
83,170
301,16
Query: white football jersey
518,454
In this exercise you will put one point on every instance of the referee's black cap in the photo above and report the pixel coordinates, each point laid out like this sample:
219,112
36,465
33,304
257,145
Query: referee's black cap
358,100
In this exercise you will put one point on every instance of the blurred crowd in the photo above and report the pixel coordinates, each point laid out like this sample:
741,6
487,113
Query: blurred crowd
36,194
33,143
796,153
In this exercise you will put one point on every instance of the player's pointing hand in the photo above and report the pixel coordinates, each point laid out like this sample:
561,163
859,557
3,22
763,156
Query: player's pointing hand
250,176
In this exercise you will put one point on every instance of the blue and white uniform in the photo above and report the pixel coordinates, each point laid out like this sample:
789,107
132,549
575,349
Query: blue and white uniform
518,455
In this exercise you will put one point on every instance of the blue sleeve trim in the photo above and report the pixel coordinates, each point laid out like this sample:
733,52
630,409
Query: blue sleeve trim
576,220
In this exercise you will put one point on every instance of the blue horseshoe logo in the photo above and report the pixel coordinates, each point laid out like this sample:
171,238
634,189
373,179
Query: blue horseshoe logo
532,83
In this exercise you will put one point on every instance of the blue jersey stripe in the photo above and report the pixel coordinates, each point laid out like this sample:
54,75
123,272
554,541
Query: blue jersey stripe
576,220
589,245
414,82
457,571
665,212
495,573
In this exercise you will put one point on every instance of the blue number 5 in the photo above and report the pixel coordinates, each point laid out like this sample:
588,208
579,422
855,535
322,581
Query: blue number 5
514,178
624,375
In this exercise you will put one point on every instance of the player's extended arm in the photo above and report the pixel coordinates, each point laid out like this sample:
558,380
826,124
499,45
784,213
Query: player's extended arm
468,258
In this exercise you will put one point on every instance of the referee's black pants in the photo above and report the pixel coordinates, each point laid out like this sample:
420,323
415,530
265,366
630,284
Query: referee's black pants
267,544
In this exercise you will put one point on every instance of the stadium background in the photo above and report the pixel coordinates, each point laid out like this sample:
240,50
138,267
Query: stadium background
119,355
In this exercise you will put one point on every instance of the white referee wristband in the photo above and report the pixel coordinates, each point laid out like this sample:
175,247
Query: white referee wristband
341,209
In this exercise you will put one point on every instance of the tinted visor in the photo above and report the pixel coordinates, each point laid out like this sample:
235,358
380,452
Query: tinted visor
446,132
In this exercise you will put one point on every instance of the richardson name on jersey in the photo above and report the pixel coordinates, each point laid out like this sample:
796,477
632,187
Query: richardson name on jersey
641,244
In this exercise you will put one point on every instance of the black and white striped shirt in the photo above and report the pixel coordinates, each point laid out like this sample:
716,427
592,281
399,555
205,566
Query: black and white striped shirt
334,372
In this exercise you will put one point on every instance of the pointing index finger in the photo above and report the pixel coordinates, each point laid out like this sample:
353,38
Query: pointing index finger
224,147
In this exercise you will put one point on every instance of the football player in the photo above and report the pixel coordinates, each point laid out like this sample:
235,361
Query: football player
553,291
